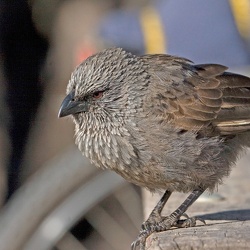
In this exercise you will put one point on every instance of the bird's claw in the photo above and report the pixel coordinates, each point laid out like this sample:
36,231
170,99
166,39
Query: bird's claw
147,228
140,241
188,222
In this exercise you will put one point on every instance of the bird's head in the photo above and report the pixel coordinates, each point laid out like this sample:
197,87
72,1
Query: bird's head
105,84
104,95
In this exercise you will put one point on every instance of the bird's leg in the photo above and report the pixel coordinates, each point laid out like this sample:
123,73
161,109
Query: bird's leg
180,211
155,215
154,218
157,223
174,218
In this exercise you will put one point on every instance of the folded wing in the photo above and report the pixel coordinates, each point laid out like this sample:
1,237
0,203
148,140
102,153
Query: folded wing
201,97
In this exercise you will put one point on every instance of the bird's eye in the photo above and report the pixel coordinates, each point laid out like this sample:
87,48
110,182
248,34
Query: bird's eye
98,94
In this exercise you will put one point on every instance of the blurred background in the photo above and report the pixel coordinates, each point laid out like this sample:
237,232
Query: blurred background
41,42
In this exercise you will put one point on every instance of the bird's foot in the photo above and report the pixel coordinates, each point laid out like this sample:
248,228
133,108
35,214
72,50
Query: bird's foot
159,224
153,224
188,222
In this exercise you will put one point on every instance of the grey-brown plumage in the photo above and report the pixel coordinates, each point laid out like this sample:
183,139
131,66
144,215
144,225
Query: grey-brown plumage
159,121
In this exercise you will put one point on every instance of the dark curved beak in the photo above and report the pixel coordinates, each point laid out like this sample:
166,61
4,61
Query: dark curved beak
69,106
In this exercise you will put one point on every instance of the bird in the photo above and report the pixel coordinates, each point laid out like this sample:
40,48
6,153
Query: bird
161,122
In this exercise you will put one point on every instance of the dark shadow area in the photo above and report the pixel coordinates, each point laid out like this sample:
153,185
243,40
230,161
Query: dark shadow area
240,215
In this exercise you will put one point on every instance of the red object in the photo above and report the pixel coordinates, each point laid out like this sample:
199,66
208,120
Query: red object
84,52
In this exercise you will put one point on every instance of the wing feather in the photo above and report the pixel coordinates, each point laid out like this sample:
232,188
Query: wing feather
199,97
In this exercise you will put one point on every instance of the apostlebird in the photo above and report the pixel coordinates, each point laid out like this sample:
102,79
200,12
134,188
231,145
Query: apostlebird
161,122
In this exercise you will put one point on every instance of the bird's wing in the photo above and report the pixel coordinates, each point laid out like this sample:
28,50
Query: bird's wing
200,97
234,116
